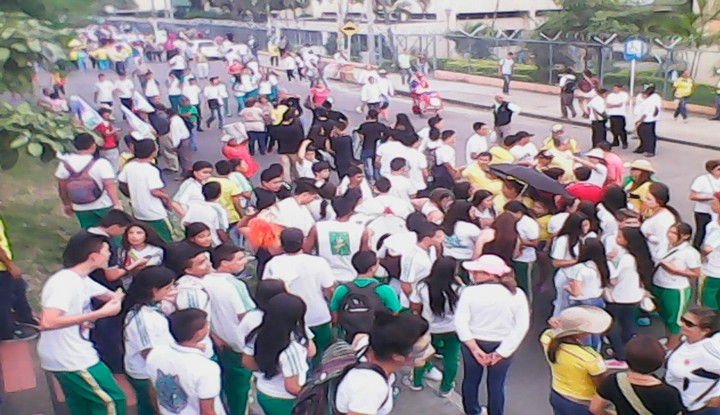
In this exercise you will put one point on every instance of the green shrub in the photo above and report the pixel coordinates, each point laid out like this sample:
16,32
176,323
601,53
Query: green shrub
488,67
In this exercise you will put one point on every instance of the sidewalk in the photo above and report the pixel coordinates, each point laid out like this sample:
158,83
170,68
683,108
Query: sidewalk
699,131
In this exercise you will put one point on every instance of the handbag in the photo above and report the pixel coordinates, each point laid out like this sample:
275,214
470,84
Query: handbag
629,393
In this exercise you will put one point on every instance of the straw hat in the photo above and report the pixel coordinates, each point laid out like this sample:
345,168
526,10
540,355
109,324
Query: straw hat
596,153
581,320
641,164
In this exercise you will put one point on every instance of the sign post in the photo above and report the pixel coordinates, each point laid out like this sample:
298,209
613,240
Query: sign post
635,48
349,29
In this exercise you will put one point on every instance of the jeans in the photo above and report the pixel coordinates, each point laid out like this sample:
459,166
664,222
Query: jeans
240,100
495,381
12,297
681,108
213,111
506,83
405,75
368,161
567,100
623,328
594,340
617,127
564,406
259,137
175,102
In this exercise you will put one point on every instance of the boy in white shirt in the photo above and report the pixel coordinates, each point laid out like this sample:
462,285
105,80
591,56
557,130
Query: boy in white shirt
210,213
186,382
230,301
104,90
214,99
479,142
64,347
125,88
401,186
193,93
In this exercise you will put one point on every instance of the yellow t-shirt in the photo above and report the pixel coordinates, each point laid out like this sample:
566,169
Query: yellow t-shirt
100,54
228,190
683,87
549,144
501,155
563,160
543,221
635,197
574,368
4,245
480,180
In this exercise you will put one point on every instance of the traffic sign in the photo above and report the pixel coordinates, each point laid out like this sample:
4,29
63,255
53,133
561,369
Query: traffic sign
636,48
349,29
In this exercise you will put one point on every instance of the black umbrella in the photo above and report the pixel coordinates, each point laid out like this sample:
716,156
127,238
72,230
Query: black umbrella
529,176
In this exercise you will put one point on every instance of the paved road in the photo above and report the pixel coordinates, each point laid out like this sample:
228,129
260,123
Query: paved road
528,382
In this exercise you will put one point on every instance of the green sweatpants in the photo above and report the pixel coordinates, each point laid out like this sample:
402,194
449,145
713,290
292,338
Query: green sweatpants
145,404
162,227
672,304
323,338
92,391
274,406
91,218
448,345
235,381
523,276
710,292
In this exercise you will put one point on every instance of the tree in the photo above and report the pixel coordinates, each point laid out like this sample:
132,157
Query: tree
55,11
24,43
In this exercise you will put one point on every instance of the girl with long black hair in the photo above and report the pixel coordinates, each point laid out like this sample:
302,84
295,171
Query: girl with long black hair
146,327
630,274
564,254
461,232
279,348
190,189
435,299
659,217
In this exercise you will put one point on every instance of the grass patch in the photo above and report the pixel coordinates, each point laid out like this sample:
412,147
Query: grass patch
36,225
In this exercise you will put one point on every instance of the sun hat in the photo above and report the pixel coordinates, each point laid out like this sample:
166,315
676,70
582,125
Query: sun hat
641,164
596,153
492,264
556,128
580,320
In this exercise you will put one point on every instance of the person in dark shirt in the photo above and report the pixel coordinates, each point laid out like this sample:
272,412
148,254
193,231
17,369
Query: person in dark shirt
289,136
293,102
371,131
272,187
160,123
336,116
320,128
342,147
644,355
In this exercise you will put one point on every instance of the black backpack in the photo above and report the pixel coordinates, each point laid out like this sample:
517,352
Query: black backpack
357,309
569,86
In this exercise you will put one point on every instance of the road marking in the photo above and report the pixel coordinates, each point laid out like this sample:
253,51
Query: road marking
18,373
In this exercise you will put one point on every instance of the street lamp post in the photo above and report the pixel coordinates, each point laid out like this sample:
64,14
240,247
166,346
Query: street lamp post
448,13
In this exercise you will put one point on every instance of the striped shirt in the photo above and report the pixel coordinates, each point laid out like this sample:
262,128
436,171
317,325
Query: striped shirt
293,361
145,329
192,294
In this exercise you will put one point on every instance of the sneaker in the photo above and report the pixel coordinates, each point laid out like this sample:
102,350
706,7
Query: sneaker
434,374
614,364
444,394
407,381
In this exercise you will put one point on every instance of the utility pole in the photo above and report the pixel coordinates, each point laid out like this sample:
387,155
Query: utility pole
370,14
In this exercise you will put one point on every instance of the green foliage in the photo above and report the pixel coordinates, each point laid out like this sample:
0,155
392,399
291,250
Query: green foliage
488,67
38,132
55,11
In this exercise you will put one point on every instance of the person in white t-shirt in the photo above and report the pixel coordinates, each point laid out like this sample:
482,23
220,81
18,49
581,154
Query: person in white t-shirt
528,231
193,93
702,192
506,66
152,87
213,97
416,264
598,117
647,113
395,340
88,212
659,218
481,141
401,185
186,381
140,180
104,90
209,212
145,328
124,87
230,302
64,348
177,66
595,160
616,104
462,234
524,150
387,152
710,296
310,278
671,282
278,350
444,172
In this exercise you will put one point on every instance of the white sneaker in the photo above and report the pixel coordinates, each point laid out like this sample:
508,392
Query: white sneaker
614,364
407,381
434,374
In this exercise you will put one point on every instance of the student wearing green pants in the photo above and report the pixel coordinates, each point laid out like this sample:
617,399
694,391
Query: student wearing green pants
440,284
229,302
710,248
87,383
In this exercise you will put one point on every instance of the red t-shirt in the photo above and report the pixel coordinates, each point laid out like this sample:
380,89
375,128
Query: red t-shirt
241,152
585,192
110,139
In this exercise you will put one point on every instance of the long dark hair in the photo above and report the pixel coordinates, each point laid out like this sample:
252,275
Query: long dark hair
645,176
614,199
555,344
197,166
637,247
594,250
590,210
506,237
151,237
459,211
661,193
402,122
478,198
283,322
441,286
140,292
573,229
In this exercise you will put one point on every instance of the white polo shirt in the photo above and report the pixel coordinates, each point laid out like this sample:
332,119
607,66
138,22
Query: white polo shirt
684,257
293,361
475,144
617,98
192,93
142,178
705,185
211,214
528,230
182,377
105,90
125,87
192,294
68,349
305,276
177,62
598,107
229,298
337,243
145,328
101,170
414,266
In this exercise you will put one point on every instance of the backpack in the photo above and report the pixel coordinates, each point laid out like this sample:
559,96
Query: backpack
317,396
357,309
569,86
81,187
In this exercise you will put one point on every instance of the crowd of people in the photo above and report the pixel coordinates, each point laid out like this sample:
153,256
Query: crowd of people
367,248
